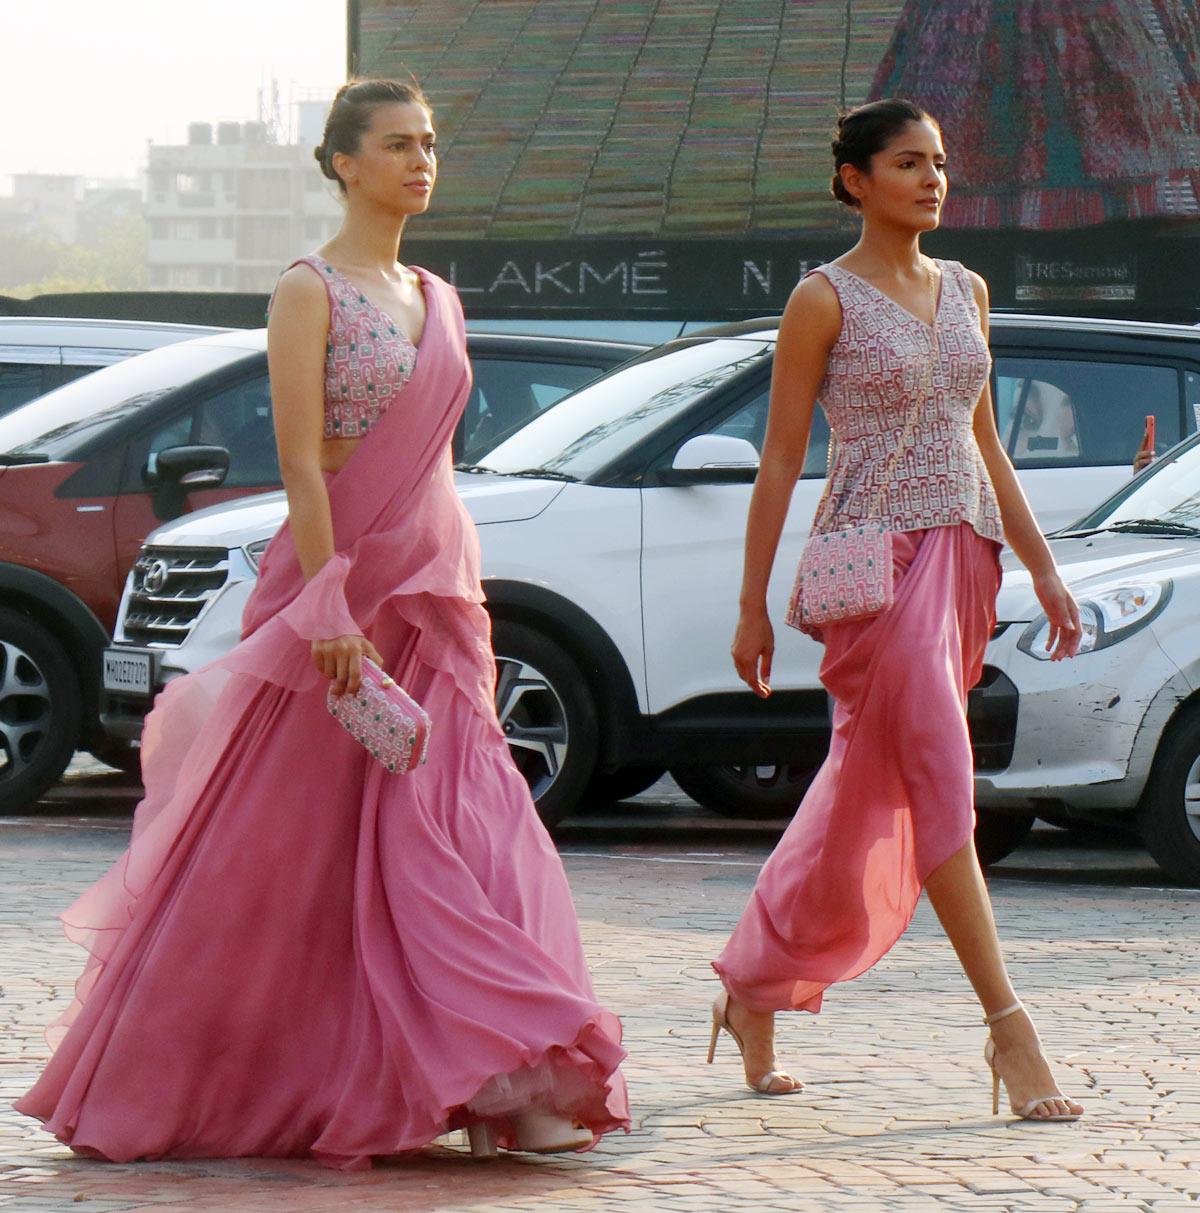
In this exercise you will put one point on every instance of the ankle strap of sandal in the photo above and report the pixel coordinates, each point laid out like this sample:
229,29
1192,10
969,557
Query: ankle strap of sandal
996,1016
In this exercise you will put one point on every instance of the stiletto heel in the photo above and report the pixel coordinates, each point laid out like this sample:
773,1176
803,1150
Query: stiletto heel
1024,1112
484,1140
712,1044
764,1085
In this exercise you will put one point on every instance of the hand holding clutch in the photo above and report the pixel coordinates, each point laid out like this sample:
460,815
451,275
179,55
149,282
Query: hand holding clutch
385,719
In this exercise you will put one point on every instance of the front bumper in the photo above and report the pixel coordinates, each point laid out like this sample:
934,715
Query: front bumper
216,631
1087,727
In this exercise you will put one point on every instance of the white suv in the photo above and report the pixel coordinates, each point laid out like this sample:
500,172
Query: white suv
612,529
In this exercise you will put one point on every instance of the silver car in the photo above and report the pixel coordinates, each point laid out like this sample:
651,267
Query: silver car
1114,734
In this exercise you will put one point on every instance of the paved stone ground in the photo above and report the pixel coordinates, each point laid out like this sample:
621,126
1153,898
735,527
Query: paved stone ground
896,1112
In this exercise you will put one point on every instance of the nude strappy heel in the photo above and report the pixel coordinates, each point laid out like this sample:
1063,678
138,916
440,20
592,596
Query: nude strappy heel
765,1085
1025,1110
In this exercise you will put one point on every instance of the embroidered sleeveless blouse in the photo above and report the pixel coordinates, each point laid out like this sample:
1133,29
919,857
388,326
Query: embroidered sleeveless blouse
367,359
878,365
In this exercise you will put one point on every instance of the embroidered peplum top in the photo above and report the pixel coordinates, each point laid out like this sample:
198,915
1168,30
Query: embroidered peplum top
368,360
880,360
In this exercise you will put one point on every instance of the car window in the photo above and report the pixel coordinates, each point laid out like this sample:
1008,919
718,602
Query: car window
63,423
1169,490
238,418
602,420
750,422
22,381
507,393
1191,401
1055,412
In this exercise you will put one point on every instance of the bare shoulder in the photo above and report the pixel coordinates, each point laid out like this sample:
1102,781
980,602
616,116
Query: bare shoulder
813,313
299,310
299,287
979,286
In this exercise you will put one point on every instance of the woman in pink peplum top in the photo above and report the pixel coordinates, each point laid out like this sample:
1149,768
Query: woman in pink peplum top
894,347
301,954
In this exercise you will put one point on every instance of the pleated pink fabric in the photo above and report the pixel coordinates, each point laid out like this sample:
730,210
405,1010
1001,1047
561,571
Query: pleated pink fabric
894,798
300,954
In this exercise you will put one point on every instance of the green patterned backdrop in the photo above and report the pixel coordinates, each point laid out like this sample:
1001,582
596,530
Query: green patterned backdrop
669,118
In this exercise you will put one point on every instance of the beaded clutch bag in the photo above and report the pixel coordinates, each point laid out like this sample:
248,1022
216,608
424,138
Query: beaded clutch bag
842,575
385,719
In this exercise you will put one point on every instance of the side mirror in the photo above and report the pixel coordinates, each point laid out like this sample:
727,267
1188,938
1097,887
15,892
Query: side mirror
180,470
713,459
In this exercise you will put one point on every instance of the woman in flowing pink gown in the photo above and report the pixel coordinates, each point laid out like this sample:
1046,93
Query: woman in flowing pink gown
894,347
301,954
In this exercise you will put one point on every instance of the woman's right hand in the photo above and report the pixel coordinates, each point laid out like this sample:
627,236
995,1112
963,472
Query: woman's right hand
753,648
340,659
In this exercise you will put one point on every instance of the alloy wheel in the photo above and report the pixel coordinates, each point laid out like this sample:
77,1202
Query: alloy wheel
1191,798
25,709
534,721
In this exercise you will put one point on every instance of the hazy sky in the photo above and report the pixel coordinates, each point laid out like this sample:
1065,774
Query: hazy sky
85,83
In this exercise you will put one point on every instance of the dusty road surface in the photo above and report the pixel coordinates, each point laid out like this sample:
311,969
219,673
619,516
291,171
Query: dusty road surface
896,1114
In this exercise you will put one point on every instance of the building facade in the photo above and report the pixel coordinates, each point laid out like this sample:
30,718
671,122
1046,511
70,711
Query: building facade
228,209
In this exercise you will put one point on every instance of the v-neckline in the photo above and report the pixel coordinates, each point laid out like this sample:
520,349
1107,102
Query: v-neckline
379,311
937,307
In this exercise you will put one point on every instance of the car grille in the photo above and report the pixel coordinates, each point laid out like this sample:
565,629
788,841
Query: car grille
992,717
171,586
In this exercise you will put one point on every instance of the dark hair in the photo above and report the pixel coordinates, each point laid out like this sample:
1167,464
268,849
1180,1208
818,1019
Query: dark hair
350,116
865,130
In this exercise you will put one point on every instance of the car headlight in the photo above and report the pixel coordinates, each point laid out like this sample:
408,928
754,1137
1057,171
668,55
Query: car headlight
255,550
1108,615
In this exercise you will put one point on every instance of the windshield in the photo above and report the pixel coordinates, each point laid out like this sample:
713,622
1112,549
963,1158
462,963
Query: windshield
57,424
594,425
1169,492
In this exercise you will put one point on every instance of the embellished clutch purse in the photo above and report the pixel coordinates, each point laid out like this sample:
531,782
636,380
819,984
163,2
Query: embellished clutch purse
385,719
842,575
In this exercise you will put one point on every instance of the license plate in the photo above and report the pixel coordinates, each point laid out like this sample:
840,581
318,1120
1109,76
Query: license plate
130,672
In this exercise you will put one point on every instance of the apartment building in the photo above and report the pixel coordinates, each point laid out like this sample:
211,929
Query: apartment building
228,209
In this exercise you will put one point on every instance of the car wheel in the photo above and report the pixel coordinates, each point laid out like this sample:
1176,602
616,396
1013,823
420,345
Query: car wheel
607,787
40,708
548,717
1169,815
760,791
123,755
998,835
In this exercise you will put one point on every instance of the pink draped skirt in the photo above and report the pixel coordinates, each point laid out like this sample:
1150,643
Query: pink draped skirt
894,798
303,955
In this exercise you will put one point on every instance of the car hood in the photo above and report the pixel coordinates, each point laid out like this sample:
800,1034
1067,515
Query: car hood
1095,560
235,523
229,524
494,498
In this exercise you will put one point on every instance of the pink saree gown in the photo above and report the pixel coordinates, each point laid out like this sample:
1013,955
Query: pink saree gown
894,798
300,954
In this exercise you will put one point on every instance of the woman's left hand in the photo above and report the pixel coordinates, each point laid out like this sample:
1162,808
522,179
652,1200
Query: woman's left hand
1062,611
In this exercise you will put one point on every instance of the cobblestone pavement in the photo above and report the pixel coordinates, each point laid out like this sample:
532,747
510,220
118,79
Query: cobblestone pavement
896,1110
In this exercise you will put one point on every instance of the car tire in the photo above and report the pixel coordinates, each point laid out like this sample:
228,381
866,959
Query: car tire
548,717
753,792
115,752
1170,832
40,707
608,787
997,835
